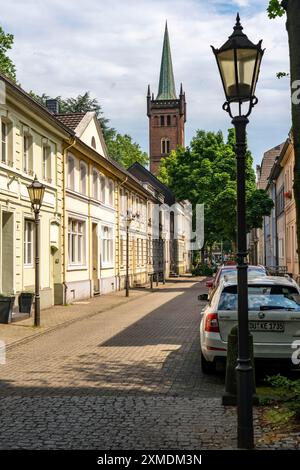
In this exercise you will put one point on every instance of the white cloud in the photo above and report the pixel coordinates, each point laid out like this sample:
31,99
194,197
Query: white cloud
114,48
242,3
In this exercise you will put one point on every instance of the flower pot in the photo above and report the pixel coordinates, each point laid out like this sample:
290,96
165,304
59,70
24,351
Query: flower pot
25,302
6,306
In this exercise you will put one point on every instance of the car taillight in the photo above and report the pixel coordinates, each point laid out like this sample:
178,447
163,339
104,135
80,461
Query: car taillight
211,323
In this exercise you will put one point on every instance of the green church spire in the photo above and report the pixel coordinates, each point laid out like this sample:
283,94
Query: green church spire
166,88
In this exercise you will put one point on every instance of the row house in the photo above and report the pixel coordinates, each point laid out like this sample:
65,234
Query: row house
85,210
175,223
31,144
277,246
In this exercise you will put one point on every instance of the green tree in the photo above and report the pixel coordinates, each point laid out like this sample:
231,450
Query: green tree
292,10
120,147
205,173
6,65
126,152
79,104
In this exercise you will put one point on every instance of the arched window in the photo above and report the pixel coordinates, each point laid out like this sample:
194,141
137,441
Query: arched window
165,146
46,163
162,120
93,142
71,172
102,188
111,192
83,177
95,184
168,120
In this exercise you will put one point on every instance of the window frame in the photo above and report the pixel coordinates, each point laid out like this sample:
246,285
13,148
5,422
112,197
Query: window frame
107,246
71,174
74,237
4,141
28,243
83,165
46,164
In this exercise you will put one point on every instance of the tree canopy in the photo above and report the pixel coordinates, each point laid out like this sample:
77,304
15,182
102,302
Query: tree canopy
120,147
6,65
205,173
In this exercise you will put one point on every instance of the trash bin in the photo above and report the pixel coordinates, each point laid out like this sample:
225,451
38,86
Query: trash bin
25,301
6,306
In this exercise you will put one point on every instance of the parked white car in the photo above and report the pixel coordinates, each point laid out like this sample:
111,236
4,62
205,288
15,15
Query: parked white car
274,319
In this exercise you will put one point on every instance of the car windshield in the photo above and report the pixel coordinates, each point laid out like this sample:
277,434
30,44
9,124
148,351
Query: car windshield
262,298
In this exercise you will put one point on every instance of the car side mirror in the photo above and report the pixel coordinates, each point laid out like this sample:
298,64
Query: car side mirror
203,297
209,284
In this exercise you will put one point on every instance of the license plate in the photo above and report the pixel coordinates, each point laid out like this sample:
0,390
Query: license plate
273,326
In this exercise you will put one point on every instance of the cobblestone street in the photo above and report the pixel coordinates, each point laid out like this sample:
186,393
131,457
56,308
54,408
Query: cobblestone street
126,378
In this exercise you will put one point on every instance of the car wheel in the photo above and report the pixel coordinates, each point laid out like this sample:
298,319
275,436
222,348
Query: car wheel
207,367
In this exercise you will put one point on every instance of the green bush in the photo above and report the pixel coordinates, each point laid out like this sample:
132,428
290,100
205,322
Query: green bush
287,392
202,270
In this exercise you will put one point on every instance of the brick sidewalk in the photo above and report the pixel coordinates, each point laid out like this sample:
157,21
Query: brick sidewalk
59,315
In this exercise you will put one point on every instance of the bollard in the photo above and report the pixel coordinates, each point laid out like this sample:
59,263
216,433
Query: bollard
230,396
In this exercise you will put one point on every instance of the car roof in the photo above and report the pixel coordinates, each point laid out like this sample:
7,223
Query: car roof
251,266
264,280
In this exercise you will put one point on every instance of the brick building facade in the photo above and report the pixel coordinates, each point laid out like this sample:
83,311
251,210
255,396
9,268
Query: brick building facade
167,113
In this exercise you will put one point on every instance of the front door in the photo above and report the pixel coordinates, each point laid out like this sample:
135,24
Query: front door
95,254
7,258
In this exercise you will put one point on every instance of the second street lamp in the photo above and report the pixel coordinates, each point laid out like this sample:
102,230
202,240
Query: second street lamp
239,63
36,194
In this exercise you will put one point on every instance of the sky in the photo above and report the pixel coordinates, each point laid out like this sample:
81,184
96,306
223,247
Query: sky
113,49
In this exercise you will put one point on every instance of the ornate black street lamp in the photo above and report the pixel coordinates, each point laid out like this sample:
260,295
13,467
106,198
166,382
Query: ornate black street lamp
36,194
239,63
129,218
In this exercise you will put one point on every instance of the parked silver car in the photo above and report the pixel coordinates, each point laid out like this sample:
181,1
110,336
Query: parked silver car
274,319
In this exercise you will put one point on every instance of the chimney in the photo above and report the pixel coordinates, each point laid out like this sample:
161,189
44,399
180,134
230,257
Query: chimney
52,106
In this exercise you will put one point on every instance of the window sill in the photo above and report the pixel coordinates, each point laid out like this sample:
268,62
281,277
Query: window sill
72,267
107,266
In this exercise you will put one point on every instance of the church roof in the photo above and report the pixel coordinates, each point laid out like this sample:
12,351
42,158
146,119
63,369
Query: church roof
166,88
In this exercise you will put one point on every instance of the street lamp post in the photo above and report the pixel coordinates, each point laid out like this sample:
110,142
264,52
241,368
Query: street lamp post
239,64
129,219
36,193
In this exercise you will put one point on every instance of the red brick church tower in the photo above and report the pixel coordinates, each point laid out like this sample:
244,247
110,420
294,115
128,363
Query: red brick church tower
167,113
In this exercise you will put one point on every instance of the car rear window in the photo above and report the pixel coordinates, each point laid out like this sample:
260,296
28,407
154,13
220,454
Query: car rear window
262,297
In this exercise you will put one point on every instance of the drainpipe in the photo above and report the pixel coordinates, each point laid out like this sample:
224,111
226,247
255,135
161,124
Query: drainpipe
276,228
119,228
64,155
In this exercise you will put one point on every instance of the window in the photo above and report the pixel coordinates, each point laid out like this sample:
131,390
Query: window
107,245
122,250
123,200
280,201
93,142
71,172
111,193
27,148
138,253
102,188
47,163
83,174
168,120
28,242
95,184
76,241
162,120
4,142
165,146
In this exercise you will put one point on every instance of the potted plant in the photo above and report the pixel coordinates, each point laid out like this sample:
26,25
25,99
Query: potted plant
6,306
25,301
